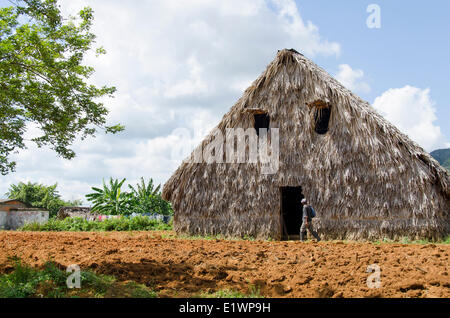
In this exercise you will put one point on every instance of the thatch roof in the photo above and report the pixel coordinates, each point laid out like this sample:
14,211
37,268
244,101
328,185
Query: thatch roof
4,201
13,202
365,178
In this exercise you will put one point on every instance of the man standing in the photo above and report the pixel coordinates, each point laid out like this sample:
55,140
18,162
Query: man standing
307,222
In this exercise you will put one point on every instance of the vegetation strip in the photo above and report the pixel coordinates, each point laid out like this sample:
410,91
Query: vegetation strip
138,223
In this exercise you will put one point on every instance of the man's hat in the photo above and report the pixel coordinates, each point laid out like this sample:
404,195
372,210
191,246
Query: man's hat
304,201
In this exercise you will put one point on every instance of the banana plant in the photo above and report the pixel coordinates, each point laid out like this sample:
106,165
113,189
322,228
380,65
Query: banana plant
146,198
110,200
144,191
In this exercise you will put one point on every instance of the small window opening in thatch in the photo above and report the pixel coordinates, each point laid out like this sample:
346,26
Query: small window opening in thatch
291,211
322,114
261,121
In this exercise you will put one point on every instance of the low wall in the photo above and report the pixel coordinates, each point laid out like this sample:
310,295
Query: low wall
76,212
3,220
18,218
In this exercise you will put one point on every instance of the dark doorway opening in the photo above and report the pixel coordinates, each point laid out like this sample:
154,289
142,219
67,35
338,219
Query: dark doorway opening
261,121
291,212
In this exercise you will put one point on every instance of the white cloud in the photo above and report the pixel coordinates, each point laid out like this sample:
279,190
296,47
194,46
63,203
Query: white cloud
352,79
412,110
175,64
193,85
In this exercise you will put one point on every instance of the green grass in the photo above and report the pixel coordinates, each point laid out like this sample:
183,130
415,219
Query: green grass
254,292
215,237
140,291
50,282
139,223
406,240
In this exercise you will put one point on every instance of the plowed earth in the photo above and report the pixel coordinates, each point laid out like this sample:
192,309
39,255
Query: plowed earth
184,267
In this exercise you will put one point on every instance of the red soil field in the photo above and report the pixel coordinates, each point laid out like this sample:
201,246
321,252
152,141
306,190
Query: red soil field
176,267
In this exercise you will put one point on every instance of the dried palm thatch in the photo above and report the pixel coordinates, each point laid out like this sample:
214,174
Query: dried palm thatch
365,178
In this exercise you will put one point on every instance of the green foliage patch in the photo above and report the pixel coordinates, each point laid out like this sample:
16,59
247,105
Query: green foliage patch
39,196
144,198
43,80
443,157
138,223
253,292
50,281
406,240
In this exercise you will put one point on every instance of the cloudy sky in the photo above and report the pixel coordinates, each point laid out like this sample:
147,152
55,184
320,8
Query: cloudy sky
180,65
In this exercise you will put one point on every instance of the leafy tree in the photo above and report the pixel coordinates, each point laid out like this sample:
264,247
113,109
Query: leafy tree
43,80
40,196
110,199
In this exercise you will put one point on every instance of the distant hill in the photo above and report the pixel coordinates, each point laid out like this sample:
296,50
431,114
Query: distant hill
443,156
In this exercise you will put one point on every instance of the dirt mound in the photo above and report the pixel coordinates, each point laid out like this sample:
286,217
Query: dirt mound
183,268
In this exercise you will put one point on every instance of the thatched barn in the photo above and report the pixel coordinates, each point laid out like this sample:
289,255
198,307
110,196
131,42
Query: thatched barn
365,179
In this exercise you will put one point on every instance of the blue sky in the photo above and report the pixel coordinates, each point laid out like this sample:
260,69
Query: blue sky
180,65
412,47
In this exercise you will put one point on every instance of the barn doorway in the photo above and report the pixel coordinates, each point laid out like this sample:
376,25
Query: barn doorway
291,212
